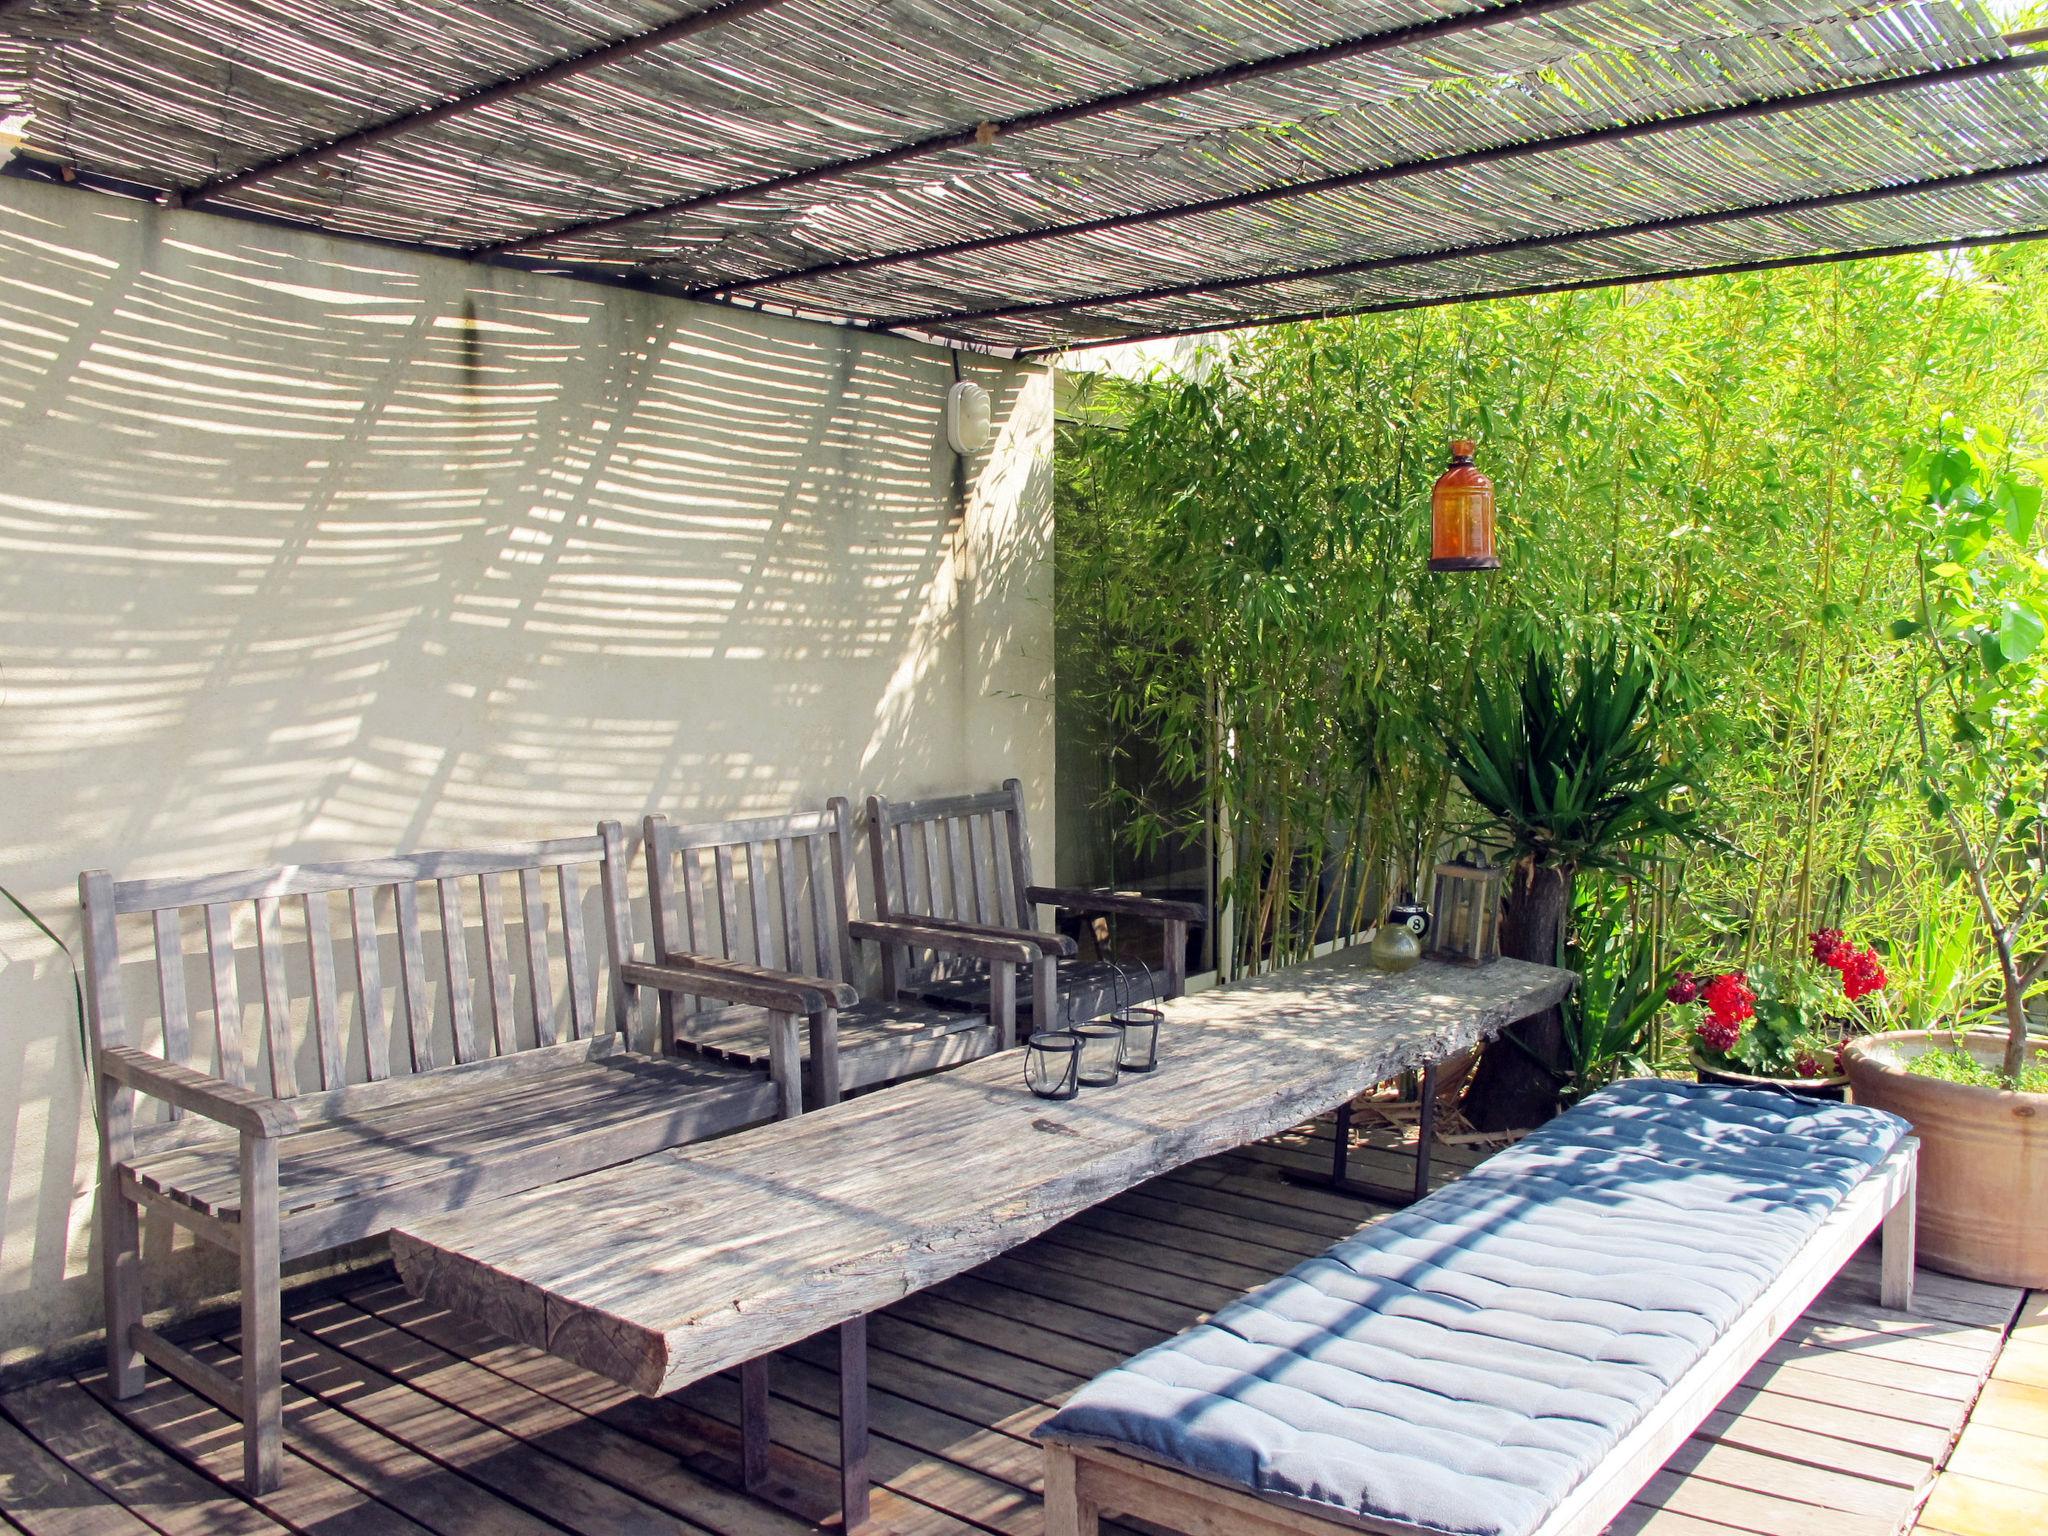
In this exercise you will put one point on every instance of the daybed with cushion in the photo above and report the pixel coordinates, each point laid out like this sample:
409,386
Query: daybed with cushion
1513,1356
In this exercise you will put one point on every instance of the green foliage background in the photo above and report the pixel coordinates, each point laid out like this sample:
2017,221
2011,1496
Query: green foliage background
1705,470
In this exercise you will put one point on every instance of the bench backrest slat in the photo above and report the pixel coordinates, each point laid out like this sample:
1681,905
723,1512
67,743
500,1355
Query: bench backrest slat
170,991
960,857
337,1018
533,914
227,993
277,999
768,890
326,1022
362,922
412,959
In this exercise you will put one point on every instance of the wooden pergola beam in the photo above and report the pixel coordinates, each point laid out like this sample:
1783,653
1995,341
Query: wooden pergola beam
554,72
1050,117
1749,111
1560,240
1539,290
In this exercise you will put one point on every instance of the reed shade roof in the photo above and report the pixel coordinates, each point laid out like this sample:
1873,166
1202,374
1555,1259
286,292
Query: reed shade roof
923,164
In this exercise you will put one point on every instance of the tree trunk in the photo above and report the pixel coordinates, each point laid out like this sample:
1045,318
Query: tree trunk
1517,1089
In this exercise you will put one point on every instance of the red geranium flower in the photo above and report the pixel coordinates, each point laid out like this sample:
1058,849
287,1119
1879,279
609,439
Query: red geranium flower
1862,974
1830,947
1729,998
1684,988
1718,1034
1806,1064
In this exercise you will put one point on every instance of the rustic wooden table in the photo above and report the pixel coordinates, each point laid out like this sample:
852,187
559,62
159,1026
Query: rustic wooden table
666,1270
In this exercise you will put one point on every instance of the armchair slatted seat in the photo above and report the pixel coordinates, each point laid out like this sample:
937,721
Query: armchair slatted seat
280,1100
963,863
754,945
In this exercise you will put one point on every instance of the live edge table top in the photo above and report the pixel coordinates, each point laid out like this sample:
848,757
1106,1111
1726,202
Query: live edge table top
663,1271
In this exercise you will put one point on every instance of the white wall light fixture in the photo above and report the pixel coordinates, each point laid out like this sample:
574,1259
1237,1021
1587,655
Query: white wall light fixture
969,413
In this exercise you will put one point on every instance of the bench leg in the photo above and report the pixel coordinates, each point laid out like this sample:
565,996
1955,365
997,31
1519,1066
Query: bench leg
824,1058
1895,1246
121,1279
1002,1003
262,1325
1067,1513
1045,993
785,1064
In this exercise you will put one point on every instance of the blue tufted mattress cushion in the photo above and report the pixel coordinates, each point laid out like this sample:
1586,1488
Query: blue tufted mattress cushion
1460,1366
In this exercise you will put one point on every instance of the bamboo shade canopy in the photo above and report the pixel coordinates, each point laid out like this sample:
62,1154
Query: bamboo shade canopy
1025,176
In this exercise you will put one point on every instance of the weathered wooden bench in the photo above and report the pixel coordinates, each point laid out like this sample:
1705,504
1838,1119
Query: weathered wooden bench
1515,1355
300,1103
754,934
963,862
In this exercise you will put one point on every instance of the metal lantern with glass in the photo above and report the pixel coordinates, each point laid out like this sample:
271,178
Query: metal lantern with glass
1140,1026
1052,1063
1467,911
1102,1047
1461,515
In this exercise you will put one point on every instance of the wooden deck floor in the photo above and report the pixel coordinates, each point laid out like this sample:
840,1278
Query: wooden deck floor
403,1419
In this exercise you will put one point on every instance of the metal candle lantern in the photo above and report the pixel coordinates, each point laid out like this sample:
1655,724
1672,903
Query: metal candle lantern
1467,911
1461,516
1140,1030
1102,1047
1140,1026
1052,1064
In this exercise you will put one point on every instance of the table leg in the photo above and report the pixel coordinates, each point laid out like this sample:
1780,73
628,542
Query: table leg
1425,1131
1339,1177
853,1427
754,1424
853,1424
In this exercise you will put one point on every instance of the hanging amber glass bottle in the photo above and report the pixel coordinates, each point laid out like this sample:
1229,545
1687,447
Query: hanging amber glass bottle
1461,516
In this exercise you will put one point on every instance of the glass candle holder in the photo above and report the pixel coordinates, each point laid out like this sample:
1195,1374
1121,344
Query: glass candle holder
1052,1064
1140,1026
1102,1044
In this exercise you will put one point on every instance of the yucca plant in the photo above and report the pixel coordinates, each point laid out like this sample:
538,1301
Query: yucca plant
1566,767
1566,764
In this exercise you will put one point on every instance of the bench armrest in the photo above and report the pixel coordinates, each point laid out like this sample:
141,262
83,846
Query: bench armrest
735,981
240,1109
995,944
1076,898
1058,945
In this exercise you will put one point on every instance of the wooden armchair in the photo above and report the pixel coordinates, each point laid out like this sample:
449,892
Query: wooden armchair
754,935
284,1100
962,863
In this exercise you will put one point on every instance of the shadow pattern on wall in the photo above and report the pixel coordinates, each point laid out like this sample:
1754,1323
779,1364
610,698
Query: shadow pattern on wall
313,550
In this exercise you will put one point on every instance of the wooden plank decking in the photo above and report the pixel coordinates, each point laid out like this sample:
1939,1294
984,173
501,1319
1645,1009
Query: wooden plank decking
401,1418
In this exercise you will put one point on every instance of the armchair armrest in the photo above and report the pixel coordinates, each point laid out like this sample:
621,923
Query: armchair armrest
1129,903
925,933
735,981
1059,945
240,1109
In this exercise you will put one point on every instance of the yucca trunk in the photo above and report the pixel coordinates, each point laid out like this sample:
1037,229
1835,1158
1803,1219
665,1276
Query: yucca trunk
1516,1085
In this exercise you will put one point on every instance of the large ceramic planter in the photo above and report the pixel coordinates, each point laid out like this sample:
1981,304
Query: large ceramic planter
1983,1157
1800,1087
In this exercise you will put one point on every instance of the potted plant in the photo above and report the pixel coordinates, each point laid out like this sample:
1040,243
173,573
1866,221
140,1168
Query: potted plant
1978,1099
1766,1028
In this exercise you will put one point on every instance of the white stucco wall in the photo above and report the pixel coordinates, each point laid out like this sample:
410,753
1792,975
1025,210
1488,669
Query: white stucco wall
312,549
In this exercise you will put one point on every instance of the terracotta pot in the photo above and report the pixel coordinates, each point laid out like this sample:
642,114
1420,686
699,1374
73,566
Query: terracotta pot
1983,1156
1804,1087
